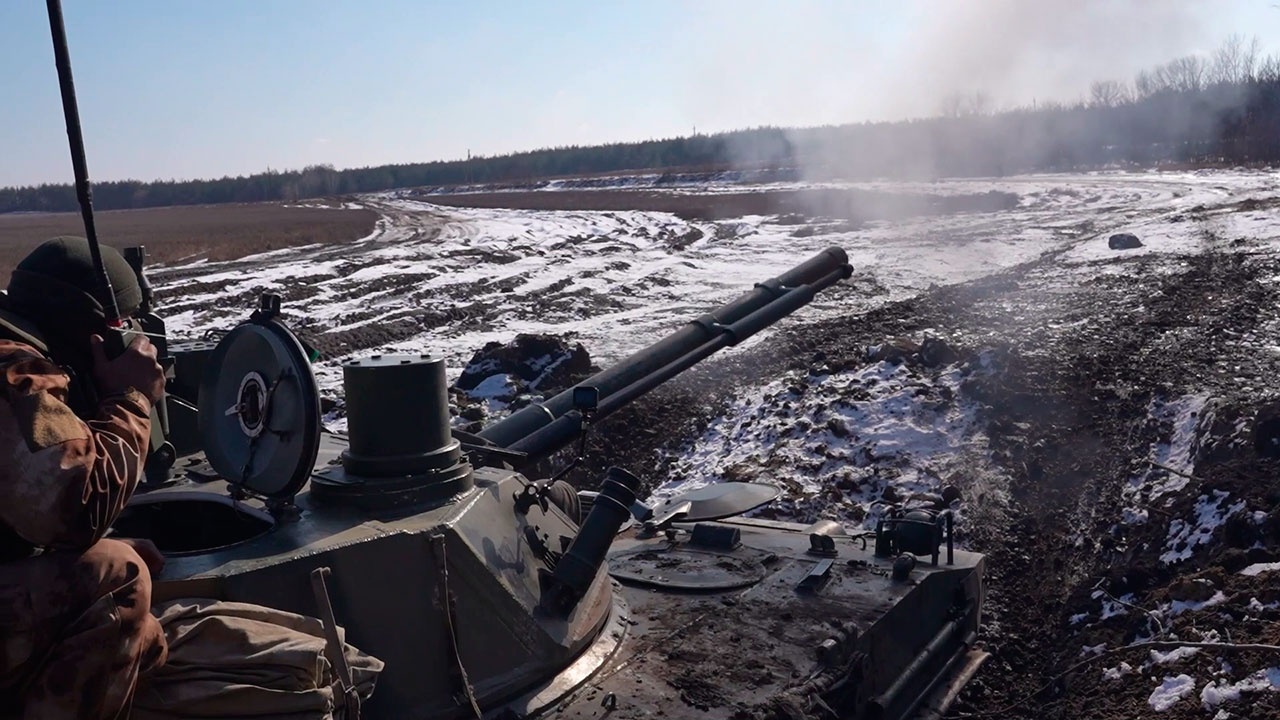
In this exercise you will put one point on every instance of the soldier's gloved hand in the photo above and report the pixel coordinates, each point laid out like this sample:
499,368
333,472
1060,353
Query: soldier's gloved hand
135,368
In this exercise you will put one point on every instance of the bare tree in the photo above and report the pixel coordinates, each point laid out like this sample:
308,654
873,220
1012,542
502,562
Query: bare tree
1235,61
1222,66
1268,70
1108,93
1146,84
958,105
1185,74
1251,55
978,103
953,105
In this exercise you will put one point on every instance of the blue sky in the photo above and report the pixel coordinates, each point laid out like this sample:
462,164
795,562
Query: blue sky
187,89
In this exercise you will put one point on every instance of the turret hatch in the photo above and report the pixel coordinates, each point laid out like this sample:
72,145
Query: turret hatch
259,408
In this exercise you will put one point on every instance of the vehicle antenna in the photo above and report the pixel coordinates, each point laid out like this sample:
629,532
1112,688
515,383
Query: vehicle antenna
84,193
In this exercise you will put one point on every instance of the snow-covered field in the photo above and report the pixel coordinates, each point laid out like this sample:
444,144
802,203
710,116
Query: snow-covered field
617,281
614,281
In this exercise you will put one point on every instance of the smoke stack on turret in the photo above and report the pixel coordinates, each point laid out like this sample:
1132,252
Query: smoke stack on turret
402,452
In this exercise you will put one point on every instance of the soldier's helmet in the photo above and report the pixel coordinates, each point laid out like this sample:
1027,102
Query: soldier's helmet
57,280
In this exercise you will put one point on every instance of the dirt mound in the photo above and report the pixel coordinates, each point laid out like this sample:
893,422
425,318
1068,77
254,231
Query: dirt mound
542,363
503,377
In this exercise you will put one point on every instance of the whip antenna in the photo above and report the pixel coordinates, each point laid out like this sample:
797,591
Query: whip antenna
83,191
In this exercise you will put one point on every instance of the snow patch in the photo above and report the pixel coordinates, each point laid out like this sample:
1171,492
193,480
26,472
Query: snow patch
1259,568
1177,607
334,422
840,442
1256,605
494,386
1113,607
1180,420
497,391
1162,658
1221,691
1210,512
1171,691
1217,692
1117,672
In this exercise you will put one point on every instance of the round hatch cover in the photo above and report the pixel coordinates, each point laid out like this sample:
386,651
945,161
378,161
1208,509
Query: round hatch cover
686,568
259,406
720,500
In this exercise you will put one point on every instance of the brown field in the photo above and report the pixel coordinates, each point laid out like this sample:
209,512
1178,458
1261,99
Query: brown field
849,205
216,232
226,232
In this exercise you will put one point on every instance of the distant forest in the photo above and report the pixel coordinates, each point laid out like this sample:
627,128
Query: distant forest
1220,108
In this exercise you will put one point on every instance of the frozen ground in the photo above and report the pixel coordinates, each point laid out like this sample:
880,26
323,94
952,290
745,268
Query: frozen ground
447,280
1095,417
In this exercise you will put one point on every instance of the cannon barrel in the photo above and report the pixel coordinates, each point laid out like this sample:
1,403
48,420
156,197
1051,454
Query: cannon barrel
542,428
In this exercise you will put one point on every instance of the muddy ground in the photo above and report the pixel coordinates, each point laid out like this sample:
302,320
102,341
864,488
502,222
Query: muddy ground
854,207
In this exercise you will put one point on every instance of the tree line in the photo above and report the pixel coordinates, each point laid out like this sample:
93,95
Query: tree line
1219,108
1215,109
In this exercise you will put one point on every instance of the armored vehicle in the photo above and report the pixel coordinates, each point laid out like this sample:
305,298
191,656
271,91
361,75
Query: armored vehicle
487,593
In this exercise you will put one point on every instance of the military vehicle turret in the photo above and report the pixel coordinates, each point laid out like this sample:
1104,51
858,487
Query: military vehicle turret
485,592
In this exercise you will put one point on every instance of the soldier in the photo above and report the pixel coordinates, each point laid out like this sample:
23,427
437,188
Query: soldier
76,630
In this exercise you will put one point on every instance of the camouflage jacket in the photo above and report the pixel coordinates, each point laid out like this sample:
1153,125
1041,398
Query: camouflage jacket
63,479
